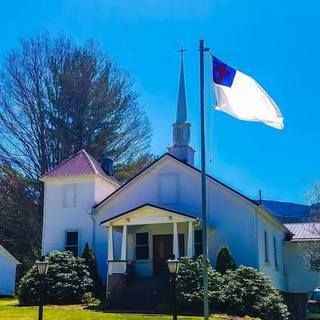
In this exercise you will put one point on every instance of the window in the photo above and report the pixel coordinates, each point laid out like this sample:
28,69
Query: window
197,242
72,242
142,246
69,195
275,252
266,249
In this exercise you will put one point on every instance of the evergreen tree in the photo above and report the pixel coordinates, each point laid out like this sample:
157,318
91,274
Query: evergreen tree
90,260
225,260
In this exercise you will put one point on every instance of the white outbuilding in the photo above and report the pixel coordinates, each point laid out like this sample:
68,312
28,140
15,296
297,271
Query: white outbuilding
8,266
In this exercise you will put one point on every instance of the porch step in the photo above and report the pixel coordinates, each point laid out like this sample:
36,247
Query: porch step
143,294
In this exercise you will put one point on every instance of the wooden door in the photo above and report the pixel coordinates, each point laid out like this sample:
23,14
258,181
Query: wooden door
163,250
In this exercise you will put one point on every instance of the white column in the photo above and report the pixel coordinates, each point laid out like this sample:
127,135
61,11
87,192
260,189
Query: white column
190,240
175,241
110,244
124,243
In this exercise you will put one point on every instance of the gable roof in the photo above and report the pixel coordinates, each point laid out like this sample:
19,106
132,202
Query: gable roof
79,164
253,202
6,253
151,205
309,231
181,162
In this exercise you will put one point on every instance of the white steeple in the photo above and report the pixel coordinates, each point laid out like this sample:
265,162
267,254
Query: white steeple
181,128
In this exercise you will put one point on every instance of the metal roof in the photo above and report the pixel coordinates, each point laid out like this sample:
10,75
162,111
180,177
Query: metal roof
308,231
81,163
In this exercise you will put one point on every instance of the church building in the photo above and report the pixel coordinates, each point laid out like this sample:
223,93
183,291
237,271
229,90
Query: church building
157,213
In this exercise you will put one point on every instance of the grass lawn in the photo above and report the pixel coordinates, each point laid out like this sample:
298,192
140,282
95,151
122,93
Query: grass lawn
9,310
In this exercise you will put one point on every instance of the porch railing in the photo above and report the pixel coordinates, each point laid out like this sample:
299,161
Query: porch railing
117,266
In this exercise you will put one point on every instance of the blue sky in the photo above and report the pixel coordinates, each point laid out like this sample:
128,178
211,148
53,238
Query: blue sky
274,41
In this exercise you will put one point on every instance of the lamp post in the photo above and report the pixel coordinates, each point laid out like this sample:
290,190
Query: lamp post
173,266
42,267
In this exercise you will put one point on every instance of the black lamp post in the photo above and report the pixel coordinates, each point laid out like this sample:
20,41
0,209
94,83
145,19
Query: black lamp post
173,266
42,266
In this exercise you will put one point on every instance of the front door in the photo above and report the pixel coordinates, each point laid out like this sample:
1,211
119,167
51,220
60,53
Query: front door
163,250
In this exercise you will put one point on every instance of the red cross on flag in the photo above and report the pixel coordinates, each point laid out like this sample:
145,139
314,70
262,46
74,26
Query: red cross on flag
242,97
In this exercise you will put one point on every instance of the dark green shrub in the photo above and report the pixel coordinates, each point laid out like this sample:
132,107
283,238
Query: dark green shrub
90,260
225,260
243,291
67,280
249,292
190,285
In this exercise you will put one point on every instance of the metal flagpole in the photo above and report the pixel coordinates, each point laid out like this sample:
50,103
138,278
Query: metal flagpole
202,50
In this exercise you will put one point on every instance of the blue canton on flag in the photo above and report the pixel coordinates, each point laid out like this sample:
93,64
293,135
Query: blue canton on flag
222,73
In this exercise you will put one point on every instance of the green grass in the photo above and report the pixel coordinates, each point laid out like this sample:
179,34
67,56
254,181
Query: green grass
10,310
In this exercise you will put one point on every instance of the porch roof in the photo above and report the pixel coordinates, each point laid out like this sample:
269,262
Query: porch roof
149,214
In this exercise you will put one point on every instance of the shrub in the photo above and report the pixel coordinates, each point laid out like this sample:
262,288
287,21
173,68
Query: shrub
89,300
249,292
90,260
243,291
190,285
66,282
225,261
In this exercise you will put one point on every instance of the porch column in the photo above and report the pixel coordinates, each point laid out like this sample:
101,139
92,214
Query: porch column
124,243
175,241
110,243
190,240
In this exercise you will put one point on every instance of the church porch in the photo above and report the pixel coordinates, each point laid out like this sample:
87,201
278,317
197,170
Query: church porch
142,240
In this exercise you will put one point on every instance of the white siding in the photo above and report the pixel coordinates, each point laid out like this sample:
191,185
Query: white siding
300,278
7,276
67,207
276,273
231,218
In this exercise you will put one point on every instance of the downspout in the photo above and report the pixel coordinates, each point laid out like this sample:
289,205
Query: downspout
91,213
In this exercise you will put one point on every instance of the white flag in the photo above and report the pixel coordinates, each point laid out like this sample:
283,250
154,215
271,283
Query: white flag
242,97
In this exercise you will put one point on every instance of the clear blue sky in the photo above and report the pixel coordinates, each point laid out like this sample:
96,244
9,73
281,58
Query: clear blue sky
276,42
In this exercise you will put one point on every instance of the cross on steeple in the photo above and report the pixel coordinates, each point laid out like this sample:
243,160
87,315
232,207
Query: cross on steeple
181,51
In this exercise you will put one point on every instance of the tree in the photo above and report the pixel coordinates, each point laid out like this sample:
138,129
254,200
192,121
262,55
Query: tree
311,249
57,98
225,260
20,227
90,260
125,171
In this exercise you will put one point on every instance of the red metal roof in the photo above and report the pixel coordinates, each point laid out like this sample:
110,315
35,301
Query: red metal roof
304,231
79,164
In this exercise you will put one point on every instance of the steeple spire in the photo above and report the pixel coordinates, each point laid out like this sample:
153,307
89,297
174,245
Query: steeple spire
182,104
181,128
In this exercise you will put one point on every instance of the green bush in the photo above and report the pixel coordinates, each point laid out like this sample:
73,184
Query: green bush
225,260
250,292
243,291
190,285
67,280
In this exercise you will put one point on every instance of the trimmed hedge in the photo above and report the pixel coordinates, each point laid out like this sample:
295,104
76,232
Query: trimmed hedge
67,280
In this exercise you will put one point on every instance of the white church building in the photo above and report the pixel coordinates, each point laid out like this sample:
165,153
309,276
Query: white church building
158,213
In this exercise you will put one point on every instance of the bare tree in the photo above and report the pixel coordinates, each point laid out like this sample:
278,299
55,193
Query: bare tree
57,98
311,245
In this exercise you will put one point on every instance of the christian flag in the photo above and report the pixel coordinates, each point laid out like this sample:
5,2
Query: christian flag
242,97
